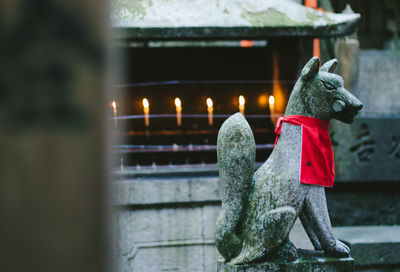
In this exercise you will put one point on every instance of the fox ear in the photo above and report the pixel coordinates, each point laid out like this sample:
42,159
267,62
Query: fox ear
329,66
310,69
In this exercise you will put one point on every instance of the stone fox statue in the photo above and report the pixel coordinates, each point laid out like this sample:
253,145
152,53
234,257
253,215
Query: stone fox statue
259,208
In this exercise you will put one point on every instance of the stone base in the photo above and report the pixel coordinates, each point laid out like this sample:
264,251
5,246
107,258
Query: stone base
373,247
309,260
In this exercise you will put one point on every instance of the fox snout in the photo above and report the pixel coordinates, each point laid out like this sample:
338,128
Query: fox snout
359,105
347,107
356,104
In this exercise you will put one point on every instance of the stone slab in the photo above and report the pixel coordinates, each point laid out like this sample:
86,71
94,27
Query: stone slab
308,261
378,85
167,190
372,245
157,238
190,258
367,150
205,19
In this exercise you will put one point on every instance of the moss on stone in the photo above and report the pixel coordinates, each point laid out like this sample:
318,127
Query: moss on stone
128,9
314,16
271,17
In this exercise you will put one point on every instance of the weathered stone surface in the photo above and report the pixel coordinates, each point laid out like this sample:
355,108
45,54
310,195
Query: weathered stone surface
254,228
308,261
368,150
163,237
236,152
378,83
156,191
372,245
347,51
175,258
159,19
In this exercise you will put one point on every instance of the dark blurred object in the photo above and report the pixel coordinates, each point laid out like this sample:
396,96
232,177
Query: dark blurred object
380,20
52,135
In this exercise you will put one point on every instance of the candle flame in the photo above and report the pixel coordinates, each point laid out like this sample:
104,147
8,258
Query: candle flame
178,103
271,100
241,100
210,110
114,105
209,103
145,103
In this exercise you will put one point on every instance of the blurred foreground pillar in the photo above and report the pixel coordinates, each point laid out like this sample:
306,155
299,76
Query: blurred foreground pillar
52,135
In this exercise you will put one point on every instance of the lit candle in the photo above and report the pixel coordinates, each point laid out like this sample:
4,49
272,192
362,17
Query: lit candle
271,102
178,106
210,109
241,104
146,110
114,106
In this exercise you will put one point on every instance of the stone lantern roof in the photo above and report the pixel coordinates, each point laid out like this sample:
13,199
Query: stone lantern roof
224,19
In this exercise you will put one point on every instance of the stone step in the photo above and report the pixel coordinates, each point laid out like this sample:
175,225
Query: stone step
374,247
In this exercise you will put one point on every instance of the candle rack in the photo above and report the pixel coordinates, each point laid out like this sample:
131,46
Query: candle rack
184,133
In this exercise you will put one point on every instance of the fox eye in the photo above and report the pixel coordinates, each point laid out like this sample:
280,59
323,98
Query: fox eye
329,85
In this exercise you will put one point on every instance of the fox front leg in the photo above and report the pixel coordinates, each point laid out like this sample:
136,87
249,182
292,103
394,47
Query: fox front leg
309,230
316,211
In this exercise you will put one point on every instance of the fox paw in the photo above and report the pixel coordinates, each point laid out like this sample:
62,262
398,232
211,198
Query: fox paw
339,250
288,252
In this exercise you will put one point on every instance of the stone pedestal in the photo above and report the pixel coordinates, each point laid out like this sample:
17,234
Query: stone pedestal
309,260
373,247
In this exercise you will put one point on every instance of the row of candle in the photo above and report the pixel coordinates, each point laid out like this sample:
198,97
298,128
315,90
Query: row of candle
178,106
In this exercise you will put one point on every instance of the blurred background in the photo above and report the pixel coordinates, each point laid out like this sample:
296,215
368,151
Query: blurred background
53,135
110,112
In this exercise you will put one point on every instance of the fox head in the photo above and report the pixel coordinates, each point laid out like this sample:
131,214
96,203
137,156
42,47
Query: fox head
319,93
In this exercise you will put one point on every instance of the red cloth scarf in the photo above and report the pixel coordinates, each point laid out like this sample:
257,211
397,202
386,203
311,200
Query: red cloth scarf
317,165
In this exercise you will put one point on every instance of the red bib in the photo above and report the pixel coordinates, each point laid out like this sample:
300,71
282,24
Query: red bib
317,165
